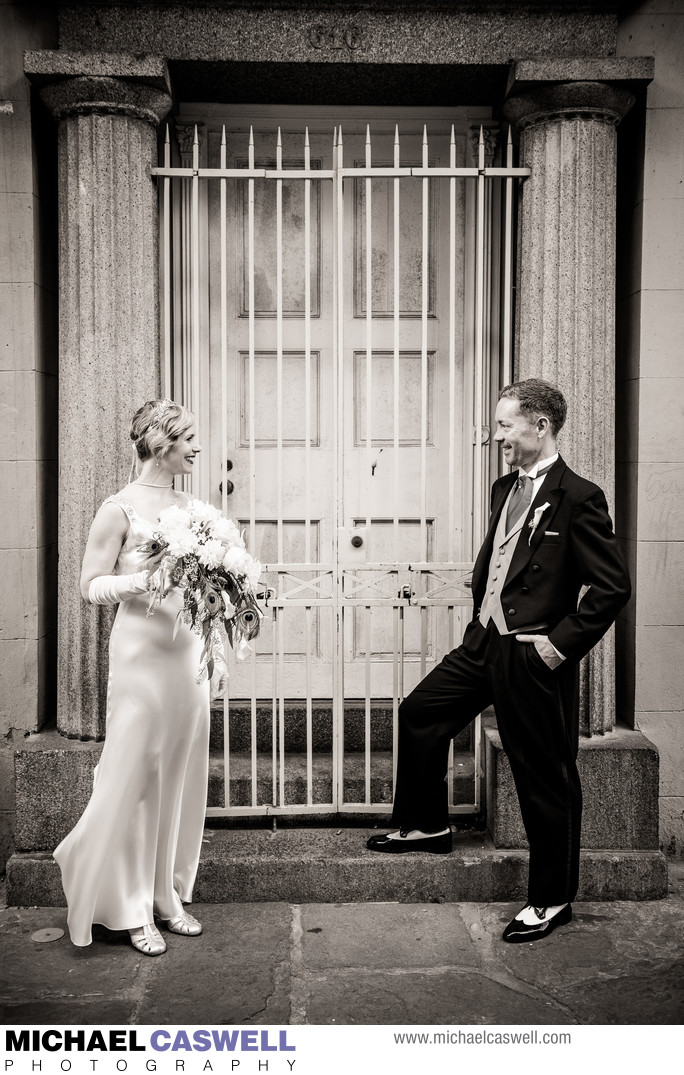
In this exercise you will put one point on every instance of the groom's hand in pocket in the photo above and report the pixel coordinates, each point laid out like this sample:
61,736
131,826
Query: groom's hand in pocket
548,653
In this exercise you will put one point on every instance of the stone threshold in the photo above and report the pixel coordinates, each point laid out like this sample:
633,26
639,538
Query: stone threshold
332,865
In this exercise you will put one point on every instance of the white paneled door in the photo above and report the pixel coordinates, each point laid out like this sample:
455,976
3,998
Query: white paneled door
332,311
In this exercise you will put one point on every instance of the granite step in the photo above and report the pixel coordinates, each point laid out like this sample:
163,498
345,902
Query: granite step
333,865
295,719
295,764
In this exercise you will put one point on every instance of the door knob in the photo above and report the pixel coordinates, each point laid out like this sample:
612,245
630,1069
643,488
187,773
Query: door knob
357,541
229,484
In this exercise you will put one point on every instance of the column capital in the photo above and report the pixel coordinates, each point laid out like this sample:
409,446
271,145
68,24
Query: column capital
74,84
604,89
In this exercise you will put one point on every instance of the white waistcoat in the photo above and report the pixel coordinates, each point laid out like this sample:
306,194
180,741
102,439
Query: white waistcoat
502,553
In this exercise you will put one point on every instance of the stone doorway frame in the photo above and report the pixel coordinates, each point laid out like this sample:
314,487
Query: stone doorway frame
108,108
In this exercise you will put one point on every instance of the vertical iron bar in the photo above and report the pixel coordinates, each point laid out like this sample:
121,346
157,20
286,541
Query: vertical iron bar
424,354
339,440
226,749
253,742
451,498
274,702
367,720
400,670
479,343
224,429
507,353
450,761
253,701
168,387
224,332
423,640
478,491
369,337
195,248
307,455
251,347
307,351
309,711
252,431
281,706
396,617
279,345
396,328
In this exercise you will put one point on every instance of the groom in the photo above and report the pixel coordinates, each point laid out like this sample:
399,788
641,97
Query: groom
549,535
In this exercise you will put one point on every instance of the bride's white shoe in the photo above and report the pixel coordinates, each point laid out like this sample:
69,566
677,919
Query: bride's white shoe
148,940
184,924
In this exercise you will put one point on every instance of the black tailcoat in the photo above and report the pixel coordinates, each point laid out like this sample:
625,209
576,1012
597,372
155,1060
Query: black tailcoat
573,546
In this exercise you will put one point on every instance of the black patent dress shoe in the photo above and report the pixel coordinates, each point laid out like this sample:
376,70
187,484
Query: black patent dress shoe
435,845
516,932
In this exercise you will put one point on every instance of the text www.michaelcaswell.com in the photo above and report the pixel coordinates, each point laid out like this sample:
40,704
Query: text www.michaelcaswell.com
483,1037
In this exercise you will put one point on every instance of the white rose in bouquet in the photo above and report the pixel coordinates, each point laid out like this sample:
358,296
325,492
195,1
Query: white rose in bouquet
204,513
227,532
175,518
211,553
181,543
237,561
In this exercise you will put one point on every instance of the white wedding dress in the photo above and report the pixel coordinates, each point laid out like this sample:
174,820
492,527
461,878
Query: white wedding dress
135,850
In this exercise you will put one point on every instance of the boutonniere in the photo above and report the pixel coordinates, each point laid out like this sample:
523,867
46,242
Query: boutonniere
534,521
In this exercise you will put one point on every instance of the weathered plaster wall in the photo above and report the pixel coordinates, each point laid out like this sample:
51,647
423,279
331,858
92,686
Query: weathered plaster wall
28,394
651,379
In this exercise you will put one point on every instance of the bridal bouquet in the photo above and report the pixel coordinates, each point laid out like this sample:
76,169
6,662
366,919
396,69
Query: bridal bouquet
197,549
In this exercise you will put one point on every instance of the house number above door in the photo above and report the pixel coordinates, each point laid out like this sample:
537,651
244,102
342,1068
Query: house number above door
336,37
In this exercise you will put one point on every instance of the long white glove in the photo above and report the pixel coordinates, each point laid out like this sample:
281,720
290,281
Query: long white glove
111,589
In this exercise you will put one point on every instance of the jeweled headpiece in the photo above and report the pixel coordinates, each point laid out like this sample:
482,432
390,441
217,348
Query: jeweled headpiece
159,412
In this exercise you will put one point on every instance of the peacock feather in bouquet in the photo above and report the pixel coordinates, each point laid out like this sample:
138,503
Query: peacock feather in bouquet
197,549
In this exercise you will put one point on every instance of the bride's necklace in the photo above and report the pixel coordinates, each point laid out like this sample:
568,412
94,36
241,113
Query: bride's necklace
153,485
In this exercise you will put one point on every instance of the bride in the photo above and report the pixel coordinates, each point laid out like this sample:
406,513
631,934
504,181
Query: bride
134,852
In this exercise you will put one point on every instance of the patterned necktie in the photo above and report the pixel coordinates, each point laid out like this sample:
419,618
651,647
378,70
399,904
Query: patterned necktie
520,501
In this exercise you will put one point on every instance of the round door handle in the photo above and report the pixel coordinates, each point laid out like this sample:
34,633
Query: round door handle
229,487
357,541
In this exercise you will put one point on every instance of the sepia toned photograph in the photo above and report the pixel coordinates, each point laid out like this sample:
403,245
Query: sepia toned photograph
342,623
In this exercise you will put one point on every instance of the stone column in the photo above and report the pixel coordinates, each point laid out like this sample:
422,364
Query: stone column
566,291
108,109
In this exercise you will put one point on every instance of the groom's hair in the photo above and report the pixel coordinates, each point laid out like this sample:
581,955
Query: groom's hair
538,399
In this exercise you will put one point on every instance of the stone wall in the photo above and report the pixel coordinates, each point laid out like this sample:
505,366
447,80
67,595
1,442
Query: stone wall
354,33
650,317
28,389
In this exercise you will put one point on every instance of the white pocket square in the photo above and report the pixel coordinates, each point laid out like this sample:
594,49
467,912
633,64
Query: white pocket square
552,533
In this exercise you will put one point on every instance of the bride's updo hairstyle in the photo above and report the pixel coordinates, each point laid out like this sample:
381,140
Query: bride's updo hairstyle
156,427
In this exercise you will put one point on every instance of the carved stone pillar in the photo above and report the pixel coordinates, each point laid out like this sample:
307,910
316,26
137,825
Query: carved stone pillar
566,292
108,323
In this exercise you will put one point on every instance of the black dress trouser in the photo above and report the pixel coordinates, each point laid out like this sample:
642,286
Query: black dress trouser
536,713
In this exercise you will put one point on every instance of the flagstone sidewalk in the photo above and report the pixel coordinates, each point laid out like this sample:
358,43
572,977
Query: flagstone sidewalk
367,963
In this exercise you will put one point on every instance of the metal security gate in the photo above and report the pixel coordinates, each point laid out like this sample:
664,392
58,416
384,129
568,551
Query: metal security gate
336,310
